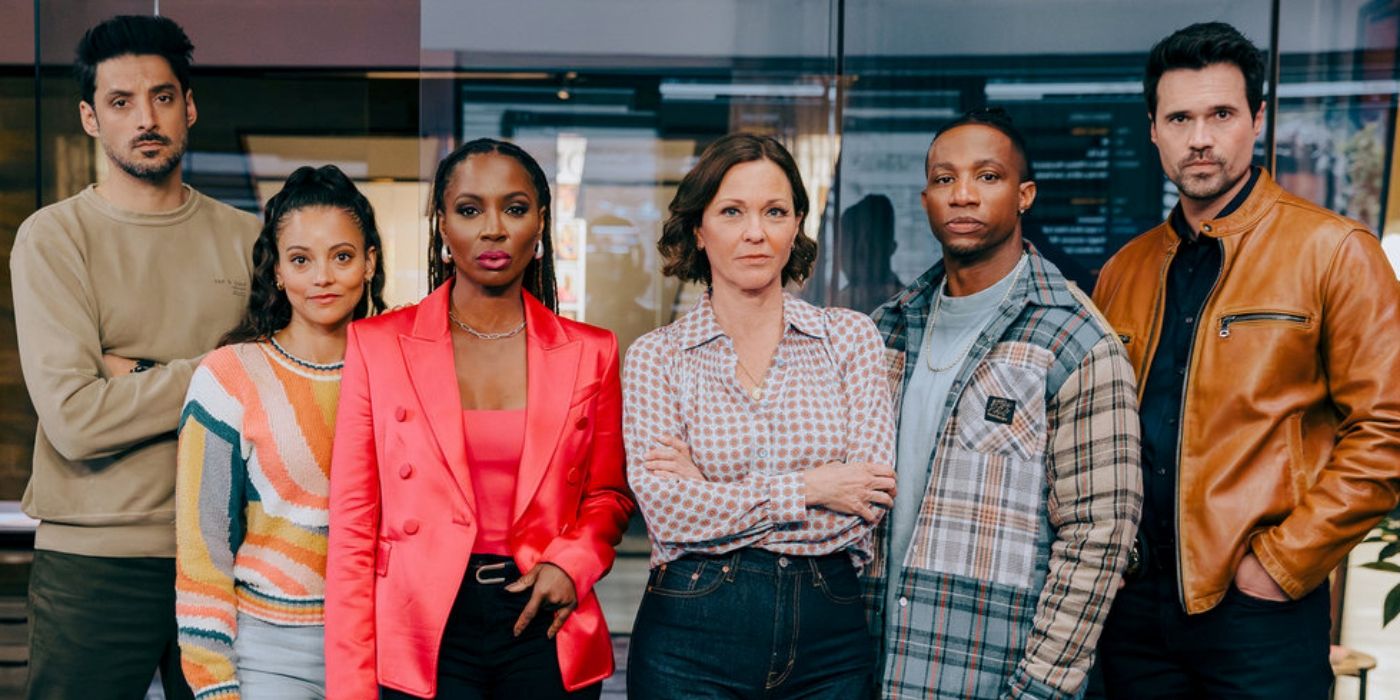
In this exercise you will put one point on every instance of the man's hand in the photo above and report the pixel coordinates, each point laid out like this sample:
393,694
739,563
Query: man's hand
553,590
117,365
1254,581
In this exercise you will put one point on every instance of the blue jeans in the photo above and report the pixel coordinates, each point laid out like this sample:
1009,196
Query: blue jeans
752,624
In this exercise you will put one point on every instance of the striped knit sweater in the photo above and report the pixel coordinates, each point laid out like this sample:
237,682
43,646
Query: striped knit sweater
251,504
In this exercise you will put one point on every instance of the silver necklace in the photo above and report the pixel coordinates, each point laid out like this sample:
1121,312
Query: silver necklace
938,304
452,314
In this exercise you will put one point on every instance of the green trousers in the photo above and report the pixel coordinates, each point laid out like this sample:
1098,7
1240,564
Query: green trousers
100,627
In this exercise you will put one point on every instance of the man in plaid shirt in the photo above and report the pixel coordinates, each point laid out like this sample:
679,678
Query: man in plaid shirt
1019,484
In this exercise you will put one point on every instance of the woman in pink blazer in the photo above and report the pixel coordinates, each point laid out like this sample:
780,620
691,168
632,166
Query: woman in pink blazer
471,518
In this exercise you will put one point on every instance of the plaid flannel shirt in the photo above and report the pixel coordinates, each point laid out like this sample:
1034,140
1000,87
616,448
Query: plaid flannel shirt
1033,500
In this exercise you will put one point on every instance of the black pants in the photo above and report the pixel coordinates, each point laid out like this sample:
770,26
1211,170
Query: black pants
1243,648
482,659
99,627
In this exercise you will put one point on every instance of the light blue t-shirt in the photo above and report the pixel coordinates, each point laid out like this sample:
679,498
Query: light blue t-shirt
960,320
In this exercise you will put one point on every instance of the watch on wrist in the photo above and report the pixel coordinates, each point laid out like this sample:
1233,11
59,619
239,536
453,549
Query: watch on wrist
143,365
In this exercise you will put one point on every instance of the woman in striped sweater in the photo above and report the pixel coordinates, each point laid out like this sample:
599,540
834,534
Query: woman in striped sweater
255,449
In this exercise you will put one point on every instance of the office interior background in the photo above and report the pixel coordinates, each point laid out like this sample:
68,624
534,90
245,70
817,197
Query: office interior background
616,98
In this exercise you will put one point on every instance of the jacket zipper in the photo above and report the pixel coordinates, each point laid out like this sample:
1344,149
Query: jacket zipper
1226,321
1181,420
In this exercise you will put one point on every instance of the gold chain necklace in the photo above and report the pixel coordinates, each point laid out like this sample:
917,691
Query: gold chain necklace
757,391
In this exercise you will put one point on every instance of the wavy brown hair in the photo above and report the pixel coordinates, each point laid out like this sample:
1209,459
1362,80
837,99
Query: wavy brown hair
682,255
539,273
268,309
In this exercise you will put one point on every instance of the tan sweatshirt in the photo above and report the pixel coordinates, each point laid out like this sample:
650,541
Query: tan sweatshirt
89,279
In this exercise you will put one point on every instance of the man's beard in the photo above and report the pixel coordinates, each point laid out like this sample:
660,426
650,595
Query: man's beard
1208,188
152,172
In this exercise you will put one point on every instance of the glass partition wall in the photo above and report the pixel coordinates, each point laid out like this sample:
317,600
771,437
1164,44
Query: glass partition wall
616,102
617,98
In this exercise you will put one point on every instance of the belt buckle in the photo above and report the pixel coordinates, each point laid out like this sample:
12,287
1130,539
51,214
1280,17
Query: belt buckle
500,566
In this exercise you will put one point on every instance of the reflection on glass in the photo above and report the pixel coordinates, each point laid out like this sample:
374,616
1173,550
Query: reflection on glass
1336,105
1069,73
618,118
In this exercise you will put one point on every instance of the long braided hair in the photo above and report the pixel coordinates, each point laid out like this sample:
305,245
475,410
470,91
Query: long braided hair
539,273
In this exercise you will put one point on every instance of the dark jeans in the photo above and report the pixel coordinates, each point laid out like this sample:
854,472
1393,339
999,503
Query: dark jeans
482,659
99,627
1242,648
751,624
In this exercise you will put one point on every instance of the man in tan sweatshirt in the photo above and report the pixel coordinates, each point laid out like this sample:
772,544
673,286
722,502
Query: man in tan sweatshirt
118,292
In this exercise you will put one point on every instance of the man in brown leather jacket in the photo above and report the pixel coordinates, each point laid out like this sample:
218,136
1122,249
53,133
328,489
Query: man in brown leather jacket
1265,333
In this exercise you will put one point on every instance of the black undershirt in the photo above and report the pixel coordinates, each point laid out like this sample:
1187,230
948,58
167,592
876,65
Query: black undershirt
1192,275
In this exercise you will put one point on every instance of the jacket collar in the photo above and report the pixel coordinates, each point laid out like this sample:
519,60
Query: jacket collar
700,327
1040,284
1261,200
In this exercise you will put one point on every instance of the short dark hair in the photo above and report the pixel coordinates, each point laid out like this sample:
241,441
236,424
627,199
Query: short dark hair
327,186
539,279
132,35
996,118
683,257
1201,45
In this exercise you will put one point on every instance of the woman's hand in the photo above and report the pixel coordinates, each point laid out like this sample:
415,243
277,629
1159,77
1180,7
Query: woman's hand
671,460
553,590
850,488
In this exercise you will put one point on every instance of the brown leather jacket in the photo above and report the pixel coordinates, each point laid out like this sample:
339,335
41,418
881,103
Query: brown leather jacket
1290,440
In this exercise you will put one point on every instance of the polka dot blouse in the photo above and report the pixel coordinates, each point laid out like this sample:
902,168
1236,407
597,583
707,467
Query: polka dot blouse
825,399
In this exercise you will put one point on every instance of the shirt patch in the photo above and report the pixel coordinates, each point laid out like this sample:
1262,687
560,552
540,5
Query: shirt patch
1000,410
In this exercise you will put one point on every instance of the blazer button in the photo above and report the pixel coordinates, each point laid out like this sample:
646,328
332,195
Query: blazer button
410,526
573,475
400,414
581,423
405,471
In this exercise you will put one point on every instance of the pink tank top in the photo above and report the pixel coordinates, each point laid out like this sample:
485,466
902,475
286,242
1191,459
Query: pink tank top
495,440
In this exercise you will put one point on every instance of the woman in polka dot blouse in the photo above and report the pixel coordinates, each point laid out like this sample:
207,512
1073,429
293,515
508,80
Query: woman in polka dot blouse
760,436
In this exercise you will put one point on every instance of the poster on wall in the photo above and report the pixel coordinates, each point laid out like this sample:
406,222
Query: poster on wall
570,231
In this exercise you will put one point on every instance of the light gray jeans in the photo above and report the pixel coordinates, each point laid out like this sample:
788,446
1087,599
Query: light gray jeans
277,662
